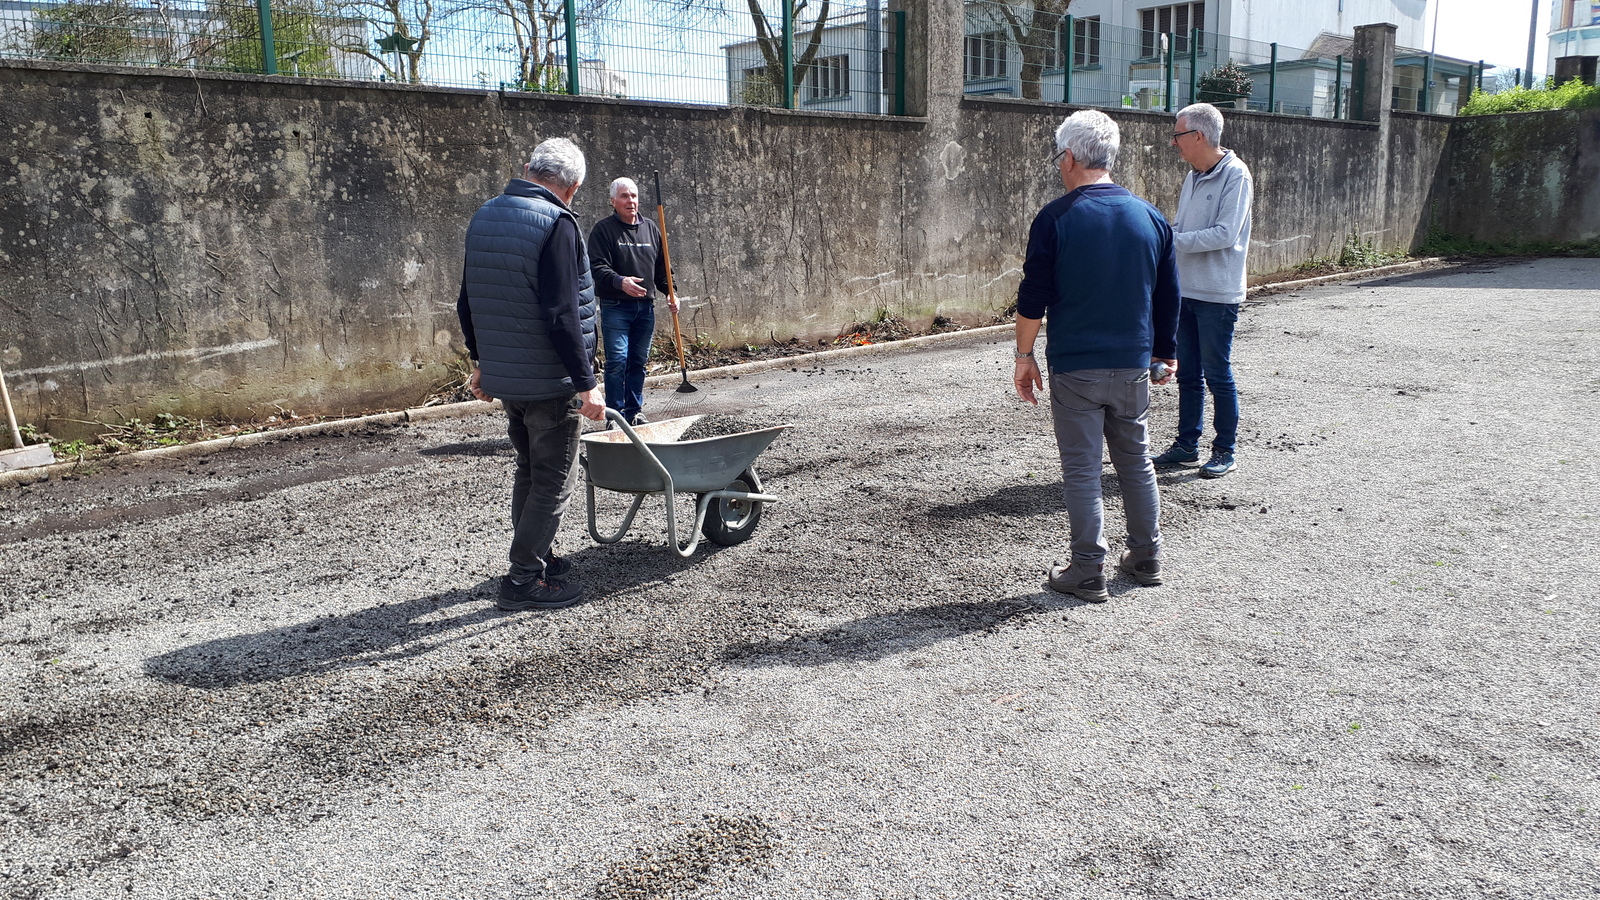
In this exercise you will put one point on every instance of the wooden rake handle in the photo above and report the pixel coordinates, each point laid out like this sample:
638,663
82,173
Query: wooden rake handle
672,293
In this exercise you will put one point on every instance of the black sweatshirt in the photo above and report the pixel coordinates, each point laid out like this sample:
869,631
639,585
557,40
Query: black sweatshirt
558,299
618,250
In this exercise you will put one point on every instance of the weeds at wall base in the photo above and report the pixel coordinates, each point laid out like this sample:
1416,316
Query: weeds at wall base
1355,254
1450,245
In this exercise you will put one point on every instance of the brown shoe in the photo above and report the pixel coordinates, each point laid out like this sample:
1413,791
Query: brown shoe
1081,580
1145,570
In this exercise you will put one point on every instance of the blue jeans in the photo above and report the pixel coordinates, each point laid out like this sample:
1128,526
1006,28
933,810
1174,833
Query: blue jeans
627,327
1205,341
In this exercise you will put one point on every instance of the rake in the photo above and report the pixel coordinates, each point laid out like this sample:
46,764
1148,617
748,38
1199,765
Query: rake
685,394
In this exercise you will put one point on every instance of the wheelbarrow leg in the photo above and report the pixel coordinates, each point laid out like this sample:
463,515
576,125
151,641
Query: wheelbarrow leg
672,523
627,520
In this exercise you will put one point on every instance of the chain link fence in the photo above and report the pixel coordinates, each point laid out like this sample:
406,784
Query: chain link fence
839,57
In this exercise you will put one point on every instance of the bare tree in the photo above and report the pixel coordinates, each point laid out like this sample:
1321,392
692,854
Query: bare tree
412,20
1036,30
770,40
537,29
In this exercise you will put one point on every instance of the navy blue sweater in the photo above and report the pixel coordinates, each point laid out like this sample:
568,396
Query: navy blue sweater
1100,263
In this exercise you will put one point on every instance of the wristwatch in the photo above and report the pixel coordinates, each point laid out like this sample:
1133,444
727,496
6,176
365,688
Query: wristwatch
1021,355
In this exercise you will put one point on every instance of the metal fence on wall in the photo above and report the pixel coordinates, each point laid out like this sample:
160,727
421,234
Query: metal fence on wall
1019,51
842,58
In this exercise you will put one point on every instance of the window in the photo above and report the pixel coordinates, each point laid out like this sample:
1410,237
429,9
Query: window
829,78
986,55
1578,13
1176,20
1086,42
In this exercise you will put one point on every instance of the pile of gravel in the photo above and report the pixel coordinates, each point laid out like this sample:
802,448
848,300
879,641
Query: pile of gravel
719,425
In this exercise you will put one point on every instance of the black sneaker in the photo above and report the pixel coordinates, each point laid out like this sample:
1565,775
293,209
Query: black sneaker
556,566
1080,580
1145,570
639,419
540,593
1218,465
1177,455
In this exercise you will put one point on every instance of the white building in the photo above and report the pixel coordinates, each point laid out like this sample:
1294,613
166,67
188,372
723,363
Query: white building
1130,52
852,71
1574,29
1292,23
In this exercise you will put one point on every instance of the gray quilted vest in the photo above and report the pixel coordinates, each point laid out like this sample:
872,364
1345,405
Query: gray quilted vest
504,240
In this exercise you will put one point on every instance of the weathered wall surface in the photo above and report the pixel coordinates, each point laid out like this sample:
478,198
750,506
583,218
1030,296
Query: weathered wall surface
1314,180
1522,177
222,245
1417,150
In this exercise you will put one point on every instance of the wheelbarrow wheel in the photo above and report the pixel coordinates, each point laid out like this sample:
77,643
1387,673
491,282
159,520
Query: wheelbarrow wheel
729,520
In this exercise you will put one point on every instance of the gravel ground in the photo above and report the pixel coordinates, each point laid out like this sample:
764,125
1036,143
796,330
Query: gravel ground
276,672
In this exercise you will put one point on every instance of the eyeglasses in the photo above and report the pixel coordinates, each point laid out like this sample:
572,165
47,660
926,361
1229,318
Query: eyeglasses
1056,157
1179,134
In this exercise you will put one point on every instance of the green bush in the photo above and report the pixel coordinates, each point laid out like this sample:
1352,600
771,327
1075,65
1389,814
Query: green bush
1572,95
1224,83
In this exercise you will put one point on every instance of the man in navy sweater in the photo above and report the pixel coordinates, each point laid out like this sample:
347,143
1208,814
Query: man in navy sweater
1100,267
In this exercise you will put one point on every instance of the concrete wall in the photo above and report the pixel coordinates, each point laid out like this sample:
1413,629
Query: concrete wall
219,245
1522,177
1314,179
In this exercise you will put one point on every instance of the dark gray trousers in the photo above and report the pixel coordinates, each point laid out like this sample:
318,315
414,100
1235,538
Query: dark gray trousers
545,435
1113,405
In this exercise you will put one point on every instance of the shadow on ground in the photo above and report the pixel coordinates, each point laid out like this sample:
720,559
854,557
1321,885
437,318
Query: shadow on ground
388,631
883,635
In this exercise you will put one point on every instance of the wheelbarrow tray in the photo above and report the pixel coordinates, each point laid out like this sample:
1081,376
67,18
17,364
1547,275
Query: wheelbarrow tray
699,466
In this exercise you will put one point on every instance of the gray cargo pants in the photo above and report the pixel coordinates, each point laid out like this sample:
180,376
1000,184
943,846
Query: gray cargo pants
1088,404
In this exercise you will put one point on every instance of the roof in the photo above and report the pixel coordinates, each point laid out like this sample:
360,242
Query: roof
1328,46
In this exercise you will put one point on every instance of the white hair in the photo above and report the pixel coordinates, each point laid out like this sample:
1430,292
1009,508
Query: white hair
1091,137
558,161
623,183
1204,118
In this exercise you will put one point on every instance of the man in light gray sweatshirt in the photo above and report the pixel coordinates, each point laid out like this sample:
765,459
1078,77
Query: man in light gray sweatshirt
1211,234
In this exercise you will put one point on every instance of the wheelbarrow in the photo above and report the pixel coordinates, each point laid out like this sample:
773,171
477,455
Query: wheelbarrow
649,459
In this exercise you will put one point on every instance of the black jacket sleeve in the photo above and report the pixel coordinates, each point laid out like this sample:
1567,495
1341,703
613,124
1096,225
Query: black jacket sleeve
464,313
558,297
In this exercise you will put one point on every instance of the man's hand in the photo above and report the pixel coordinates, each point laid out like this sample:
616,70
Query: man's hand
1027,379
1172,370
672,302
594,404
472,384
633,287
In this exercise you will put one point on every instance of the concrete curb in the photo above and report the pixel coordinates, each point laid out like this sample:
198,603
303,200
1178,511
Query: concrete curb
473,407
216,445
1346,276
